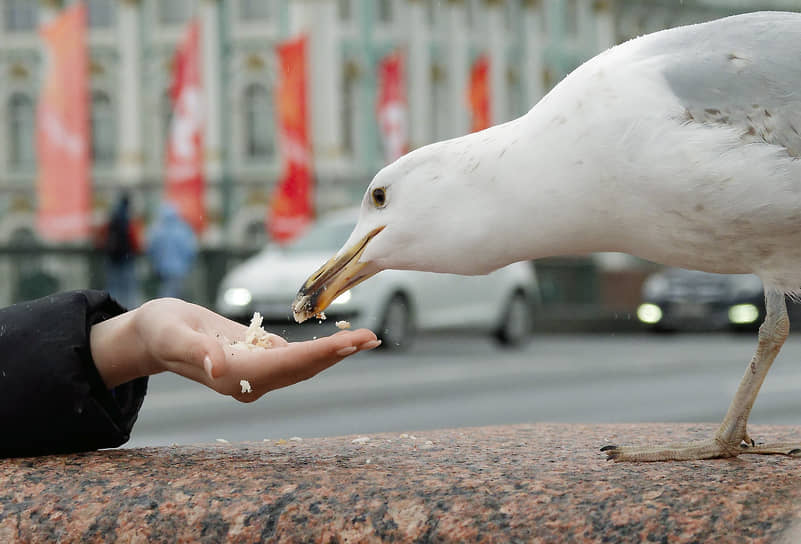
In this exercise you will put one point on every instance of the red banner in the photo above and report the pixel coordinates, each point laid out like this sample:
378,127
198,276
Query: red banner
478,95
62,130
184,183
392,106
291,206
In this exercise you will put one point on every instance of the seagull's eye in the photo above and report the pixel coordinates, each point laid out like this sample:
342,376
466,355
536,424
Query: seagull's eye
379,195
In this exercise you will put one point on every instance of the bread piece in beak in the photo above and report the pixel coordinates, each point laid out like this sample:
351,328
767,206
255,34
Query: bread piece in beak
334,278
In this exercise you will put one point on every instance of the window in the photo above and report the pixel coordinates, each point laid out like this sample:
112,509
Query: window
470,13
101,13
571,18
20,15
516,99
258,113
440,105
255,9
509,15
103,135
385,11
432,9
344,10
349,97
21,150
256,234
175,12
166,120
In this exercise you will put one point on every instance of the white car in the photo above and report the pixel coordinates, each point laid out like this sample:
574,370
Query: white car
394,303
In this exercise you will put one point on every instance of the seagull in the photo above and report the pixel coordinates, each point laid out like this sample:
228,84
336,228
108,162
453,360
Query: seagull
681,147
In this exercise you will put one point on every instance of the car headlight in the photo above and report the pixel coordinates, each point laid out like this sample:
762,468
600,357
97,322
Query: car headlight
742,314
237,296
344,298
649,313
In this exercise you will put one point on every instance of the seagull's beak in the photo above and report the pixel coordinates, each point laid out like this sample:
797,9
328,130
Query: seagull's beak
334,278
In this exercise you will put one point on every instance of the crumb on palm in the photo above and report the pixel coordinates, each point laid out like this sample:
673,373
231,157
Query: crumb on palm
255,337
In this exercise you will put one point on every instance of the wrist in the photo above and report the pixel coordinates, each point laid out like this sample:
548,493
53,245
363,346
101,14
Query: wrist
117,351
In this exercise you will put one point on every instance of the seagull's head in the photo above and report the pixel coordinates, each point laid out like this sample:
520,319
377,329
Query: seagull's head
422,212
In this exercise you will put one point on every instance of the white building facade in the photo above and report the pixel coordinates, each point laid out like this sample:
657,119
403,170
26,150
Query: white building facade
531,45
131,48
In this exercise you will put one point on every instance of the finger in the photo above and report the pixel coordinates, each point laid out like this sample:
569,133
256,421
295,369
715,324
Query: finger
273,368
356,337
301,360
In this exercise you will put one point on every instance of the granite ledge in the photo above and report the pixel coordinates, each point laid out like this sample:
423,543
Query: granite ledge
523,483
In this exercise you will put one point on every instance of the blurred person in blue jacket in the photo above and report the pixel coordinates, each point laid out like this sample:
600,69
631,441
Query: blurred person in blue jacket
172,248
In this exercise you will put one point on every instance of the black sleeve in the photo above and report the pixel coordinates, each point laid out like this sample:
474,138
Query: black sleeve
52,399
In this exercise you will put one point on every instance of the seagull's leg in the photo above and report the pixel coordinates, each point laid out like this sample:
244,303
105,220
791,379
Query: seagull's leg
772,334
730,437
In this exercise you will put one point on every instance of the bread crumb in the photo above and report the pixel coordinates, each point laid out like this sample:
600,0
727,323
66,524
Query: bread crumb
343,324
360,440
245,386
255,337
320,316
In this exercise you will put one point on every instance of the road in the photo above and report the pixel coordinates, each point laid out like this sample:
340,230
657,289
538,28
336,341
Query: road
457,381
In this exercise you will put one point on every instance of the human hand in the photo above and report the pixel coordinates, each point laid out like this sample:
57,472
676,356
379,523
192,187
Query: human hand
193,341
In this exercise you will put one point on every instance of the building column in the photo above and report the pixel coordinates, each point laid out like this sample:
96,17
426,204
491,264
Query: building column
129,128
210,51
317,19
218,193
534,23
458,67
418,71
496,39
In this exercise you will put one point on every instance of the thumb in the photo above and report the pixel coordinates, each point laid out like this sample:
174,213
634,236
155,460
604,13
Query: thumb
198,354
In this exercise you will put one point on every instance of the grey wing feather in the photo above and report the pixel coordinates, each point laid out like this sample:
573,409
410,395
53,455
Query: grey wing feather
742,71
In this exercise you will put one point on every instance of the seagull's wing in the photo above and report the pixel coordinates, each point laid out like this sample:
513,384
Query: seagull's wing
742,71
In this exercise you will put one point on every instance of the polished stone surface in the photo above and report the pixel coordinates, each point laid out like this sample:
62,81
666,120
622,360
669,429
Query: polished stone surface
527,483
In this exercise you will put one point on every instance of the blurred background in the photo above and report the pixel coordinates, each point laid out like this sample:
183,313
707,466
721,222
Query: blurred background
524,48
184,147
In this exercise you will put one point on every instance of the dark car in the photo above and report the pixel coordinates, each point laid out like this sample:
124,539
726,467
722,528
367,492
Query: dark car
676,299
